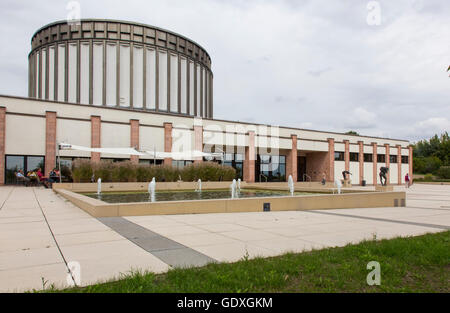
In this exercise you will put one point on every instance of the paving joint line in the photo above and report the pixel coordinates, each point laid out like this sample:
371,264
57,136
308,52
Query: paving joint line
382,219
54,239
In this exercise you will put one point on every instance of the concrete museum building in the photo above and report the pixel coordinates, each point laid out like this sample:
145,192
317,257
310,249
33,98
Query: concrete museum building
116,84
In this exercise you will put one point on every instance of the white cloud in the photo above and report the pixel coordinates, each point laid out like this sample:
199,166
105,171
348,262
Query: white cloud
319,59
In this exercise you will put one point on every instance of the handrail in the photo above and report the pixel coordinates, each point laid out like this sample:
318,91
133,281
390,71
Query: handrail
262,175
307,176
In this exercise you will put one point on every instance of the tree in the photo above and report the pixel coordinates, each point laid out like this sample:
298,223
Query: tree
430,155
352,132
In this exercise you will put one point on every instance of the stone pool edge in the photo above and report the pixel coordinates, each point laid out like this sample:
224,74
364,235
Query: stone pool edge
98,208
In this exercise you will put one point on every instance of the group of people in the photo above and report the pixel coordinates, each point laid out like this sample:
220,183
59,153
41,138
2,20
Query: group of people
36,176
383,172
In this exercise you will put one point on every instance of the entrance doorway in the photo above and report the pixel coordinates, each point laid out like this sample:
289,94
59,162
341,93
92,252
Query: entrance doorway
301,168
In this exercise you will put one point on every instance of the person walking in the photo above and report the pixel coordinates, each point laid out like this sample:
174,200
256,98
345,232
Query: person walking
407,180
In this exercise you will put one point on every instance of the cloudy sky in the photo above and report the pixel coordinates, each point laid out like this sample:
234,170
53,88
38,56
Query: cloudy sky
315,64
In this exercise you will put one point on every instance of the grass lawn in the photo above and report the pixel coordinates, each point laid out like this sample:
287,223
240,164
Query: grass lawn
414,264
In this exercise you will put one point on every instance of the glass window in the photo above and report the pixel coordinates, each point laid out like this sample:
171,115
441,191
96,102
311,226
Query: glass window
368,157
405,159
381,158
393,159
354,157
338,156
273,167
13,164
35,162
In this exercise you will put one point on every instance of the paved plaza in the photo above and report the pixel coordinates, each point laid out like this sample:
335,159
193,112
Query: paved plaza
40,232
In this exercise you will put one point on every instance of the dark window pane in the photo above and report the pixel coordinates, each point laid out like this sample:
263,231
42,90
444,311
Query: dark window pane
35,162
339,156
13,164
405,159
381,158
354,157
393,159
368,157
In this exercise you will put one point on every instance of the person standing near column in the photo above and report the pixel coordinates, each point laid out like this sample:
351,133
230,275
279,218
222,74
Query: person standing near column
407,180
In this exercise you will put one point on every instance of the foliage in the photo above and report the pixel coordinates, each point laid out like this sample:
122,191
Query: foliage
352,132
84,171
438,146
430,155
444,172
429,164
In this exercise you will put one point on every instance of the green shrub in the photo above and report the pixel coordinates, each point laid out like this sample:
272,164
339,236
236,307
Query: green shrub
444,172
208,171
82,171
428,177
103,170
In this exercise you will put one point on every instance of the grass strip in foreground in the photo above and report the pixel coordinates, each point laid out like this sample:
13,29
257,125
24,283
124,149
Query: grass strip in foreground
412,264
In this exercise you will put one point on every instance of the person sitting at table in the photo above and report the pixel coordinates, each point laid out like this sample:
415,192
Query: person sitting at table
32,176
54,175
21,177
44,180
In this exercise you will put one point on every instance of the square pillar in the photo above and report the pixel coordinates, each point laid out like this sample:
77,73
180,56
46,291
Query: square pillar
388,163
198,145
330,165
399,164
249,162
2,144
374,162
291,160
361,161
96,124
347,155
134,139
410,161
168,142
50,142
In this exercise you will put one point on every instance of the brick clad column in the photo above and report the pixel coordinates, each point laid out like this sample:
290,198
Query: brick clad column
330,165
96,124
168,142
2,144
388,163
50,141
347,155
361,161
410,161
249,162
399,164
198,137
291,160
134,139
375,162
